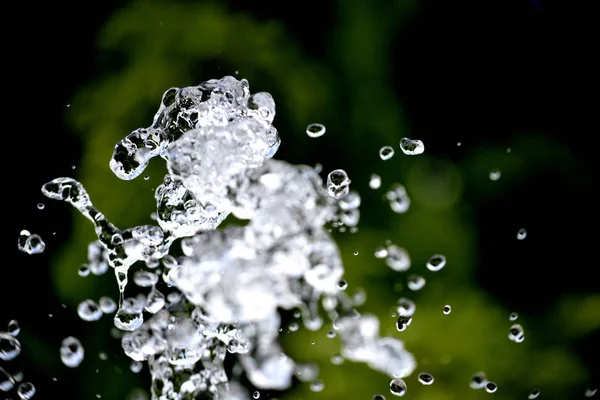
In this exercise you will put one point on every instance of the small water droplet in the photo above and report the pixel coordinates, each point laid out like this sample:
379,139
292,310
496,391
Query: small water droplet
136,366
495,174
403,322
378,397
338,183
88,310
84,270
478,381
256,395
425,378
513,316
447,309
375,181
534,394
397,258
71,352
386,152
293,327
522,234
317,386
26,390
315,130
516,334
30,243
436,262
41,206
10,347
13,327
398,198
458,144
415,282
331,334
398,387
406,307
103,356
337,359
342,284
107,305
411,147
146,177
491,387
590,392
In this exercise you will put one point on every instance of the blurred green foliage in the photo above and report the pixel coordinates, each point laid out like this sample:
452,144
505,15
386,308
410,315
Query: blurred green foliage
149,46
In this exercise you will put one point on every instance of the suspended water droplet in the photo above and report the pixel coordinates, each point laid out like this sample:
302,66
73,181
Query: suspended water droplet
350,202
338,183
381,252
515,333
89,310
534,394
331,334
342,284
403,322
398,387
30,243
375,181
436,262
256,395
26,390
521,234
136,366
425,378
590,392
495,174
411,147
41,206
406,307
491,387
397,258
71,352
293,327
337,359
315,130
398,198
478,381
6,381
378,397
145,278
386,152
513,316
107,305
83,270
146,177
459,144
103,356
447,309
10,347
13,328
415,282
317,386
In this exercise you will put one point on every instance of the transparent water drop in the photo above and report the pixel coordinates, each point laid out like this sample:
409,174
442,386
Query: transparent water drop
411,147
406,307
18,376
415,282
26,390
331,334
398,387
521,234
425,378
350,202
447,309
145,278
403,322
342,284
107,305
315,130
41,206
306,372
89,310
30,243
534,394
103,356
13,328
84,270
436,262
136,366
293,327
375,181
146,177
478,381
386,152
338,183
71,352
397,258
516,333
513,316
355,253
491,387
337,359
6,380
398,198
381,252
589,392
458,144
495,174
378,397
10,347
317,386
256,395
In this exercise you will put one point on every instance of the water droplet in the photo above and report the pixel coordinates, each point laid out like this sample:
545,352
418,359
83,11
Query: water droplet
84,270
6,381
403,322
415,282
342,284
478,381
398,198
338,183
411,147
26,390
315,130
71,352
331,334
436,262
397,258
590,392
88,310
447,309
136,366
13,328
425,378
145,278
293,326
103,356
398,387
41,206
406,307
317,386
337,359
107,305
256,395
381,252
516,334
146,177
386,152
458,144
513,316
534,394
495,174
73,167
30,243
378,397
491,387
521,234
10,347
375,181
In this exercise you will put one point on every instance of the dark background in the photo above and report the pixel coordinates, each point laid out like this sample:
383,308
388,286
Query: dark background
491,75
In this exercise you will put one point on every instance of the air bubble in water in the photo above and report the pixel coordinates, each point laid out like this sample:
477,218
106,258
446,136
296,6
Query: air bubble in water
491,387
317,386
10,347
397,258
26,390
534,394
425,378
88,310
516,333
338,183
13,328
478,381
436,262
71,352
495,174
375,181
521,234
411,147
415,282
447,309
398,198
403,322
30,243
315,130
398,387
386,152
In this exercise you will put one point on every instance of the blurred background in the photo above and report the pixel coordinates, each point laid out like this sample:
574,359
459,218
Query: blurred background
486,85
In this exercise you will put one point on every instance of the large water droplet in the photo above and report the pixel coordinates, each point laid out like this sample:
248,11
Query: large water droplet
71,352
398,387
411,147
386,152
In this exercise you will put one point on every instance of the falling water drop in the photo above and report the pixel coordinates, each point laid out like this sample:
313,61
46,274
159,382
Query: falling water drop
398,387
315,130
534,394
436,262
13,328
26,390
411,147
71,352
491,387
495,174
521,234
375,181
447,309
386,152
425,378
30,243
